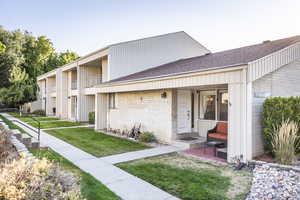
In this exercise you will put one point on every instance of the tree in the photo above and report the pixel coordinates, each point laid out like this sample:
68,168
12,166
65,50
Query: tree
23,57
58,60
2,47
21,91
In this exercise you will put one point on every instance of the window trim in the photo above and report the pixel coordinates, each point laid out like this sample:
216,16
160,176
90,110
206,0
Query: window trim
217,103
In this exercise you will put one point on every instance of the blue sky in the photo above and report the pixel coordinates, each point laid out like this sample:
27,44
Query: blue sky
87,25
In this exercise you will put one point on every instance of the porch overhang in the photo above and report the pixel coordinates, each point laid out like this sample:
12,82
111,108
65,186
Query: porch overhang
212,77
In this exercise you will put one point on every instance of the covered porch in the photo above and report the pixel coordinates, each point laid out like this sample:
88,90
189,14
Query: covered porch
186,107
200,113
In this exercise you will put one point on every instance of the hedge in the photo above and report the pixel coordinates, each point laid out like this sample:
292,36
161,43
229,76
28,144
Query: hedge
91,117
275,110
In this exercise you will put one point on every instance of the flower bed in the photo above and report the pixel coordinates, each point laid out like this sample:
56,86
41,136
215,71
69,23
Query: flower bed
41,179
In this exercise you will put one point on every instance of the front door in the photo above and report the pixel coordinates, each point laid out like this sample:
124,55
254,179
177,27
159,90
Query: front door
184,111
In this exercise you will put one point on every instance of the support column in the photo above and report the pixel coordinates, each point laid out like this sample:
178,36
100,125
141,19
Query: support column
48,97
237,120
82,114
63,93
101,108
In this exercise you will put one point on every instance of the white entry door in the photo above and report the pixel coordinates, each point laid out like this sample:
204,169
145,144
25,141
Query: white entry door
184,123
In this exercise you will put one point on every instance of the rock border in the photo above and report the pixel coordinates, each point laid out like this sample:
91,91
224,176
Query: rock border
276,165
19,146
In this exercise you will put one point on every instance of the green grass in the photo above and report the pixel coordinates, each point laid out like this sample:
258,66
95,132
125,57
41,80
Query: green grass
42,119
91,189
191,179
95,143
11,125
29,119
54,124
184,183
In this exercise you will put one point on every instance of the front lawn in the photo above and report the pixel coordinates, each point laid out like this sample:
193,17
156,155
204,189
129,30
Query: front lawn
95,143
189,178
91,188
54,124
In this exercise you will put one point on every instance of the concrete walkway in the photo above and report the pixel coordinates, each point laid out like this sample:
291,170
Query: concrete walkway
125,185
81,126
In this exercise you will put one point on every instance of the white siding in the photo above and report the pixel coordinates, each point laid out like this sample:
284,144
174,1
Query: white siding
283,82
272,62
130,57
190,80
147,108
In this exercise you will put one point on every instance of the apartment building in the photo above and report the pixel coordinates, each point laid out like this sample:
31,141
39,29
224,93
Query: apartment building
175,87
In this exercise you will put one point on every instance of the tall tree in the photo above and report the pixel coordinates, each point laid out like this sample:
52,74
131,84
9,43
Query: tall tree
23,57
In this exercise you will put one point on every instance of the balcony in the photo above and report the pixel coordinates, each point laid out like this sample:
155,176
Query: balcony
52,89
93,81
74,85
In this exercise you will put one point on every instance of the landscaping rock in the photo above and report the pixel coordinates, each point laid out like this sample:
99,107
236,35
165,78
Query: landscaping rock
26,140
274,183
35,144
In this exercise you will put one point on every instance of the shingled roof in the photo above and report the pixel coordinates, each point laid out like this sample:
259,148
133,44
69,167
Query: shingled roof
224,59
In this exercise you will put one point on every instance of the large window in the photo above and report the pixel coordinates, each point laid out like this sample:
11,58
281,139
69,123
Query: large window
112,100
223,105
213,105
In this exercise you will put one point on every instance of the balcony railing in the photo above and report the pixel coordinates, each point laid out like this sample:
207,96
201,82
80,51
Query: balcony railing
52,89
93,81
74,85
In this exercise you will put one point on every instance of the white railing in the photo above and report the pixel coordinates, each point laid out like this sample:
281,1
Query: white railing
52,89
74,85
90,82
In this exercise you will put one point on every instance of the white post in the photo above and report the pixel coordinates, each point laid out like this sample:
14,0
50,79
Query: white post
101,108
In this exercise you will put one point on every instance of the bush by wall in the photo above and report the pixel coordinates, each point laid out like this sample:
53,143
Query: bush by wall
91,117
39,112
146,137
275,110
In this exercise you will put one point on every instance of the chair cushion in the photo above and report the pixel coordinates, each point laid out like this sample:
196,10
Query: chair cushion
222,128
218,136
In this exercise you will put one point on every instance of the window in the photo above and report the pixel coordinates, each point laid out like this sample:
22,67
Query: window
213,105
209,105
223,105
112,100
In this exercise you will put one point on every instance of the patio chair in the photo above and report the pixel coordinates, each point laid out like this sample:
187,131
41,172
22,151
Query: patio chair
218,133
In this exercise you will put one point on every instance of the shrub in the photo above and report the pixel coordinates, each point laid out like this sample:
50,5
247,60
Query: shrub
7,150
276,110
146,137
39,112
91,117
33,179
284,142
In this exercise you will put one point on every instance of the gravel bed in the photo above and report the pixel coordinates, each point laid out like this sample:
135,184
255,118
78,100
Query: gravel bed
274,183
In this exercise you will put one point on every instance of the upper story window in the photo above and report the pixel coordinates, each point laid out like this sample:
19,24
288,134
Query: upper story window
112,100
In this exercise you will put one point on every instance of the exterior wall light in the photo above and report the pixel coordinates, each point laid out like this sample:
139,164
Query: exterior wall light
163,95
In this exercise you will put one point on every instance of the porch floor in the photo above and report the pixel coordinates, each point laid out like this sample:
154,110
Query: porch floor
204,152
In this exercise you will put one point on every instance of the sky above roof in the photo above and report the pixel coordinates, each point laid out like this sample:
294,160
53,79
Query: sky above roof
85,26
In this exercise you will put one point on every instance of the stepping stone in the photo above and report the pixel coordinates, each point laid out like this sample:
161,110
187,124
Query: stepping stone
35,144
26,140
17,134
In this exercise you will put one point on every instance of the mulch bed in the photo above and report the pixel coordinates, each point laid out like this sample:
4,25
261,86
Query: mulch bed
266,157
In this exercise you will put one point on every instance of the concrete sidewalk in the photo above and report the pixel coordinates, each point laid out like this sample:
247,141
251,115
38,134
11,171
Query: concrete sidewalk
125,185
81,126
